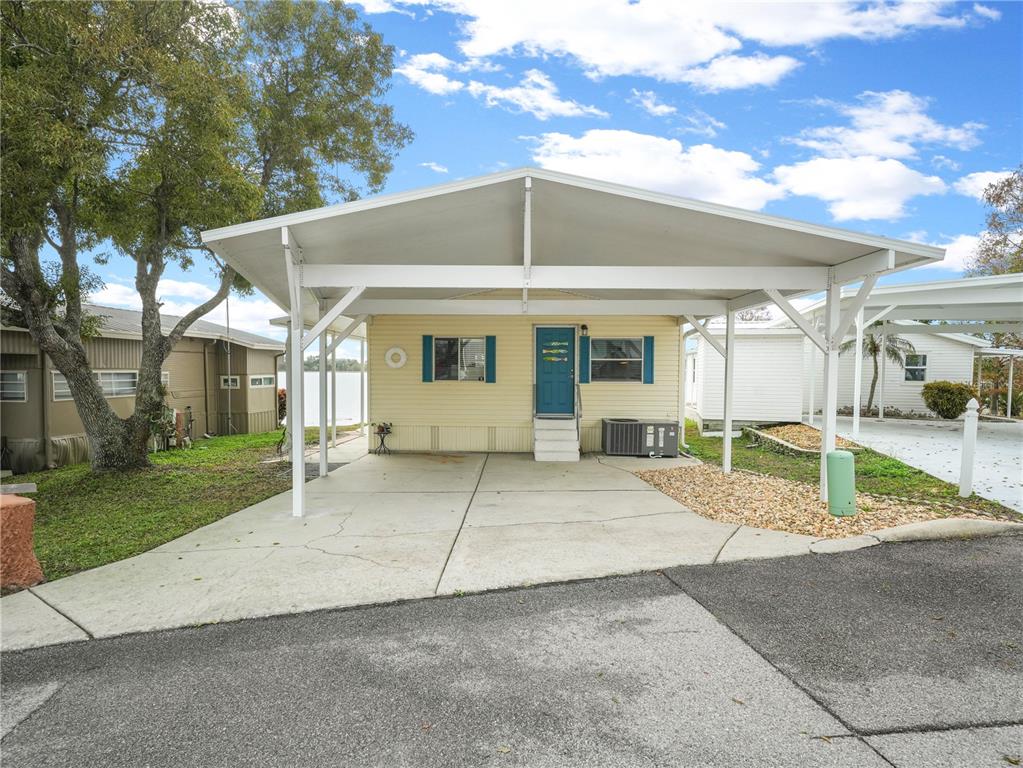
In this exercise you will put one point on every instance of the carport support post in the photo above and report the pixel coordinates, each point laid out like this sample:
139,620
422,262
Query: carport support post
726,426
362,385
1008,400
880,393
857,374
829,415
813,380
323,404
333,395
296,415
287,391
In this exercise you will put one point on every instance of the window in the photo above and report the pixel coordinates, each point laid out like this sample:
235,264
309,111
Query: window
616,359
13,387
256,382
112,383
916,367
165,378
230,382
459,359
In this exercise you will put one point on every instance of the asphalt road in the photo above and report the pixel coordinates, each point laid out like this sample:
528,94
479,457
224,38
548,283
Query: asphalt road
901,655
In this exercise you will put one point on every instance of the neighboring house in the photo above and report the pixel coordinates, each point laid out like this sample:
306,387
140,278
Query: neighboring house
773,365
40,424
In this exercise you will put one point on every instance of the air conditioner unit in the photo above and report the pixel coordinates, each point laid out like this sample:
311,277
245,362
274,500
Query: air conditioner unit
632,437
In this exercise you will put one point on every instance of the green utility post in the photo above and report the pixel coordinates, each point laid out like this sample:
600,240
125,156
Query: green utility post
841,484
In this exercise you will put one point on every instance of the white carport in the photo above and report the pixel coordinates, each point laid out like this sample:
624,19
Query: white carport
989,304
613,250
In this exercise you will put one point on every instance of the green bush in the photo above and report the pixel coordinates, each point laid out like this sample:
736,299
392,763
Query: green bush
948,399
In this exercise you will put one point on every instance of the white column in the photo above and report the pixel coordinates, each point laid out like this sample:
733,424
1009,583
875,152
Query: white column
363,373
287,391
333,394
323,404
1008,402
726,428
829,414
969,448
296,414
682,391
813,380
881,382
857,375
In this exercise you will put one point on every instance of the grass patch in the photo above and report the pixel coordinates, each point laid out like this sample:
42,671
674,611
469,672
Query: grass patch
86,519
875,472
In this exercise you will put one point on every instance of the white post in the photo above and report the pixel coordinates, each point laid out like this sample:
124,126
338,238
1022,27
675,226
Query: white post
296,414
333,394
726,426
287,391
969,448
881,383
829,415
363,416
323,404
682,390
857,375
1008,401
813,380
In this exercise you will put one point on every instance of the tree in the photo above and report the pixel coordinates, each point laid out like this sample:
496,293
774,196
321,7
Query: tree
139,124
753,314
1000,250
895,350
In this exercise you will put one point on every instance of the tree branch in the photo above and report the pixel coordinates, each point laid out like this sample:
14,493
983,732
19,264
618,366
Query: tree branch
226,279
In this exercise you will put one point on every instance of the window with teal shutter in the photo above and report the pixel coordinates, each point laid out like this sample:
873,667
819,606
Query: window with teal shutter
491,359
584,360
648,359
427,358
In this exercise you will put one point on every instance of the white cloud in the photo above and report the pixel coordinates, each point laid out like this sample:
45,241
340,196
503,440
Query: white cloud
426,70
435,167
858,187
667,39
984,11
248,313
974,184
703,171
536,94
648,101
958,253
946,163
700,123
731,72
886,124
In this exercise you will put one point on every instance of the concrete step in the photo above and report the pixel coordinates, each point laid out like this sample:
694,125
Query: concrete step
546,444
554,425
556,455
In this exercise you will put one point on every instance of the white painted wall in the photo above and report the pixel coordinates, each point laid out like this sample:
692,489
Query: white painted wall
768,384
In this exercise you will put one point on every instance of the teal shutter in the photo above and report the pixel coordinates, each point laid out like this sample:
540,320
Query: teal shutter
584,360
428,358
491,359
648,359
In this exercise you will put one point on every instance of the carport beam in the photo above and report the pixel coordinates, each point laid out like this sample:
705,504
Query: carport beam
857,374
726,426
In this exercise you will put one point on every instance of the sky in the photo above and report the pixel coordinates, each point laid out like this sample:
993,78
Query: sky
882,118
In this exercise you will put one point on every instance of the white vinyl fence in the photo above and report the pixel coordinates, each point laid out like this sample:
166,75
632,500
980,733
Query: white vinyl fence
347,383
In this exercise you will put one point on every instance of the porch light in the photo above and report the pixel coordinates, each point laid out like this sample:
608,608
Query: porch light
584,330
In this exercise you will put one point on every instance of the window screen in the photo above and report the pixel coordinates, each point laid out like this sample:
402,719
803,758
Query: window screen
916,367
616,359
459,358
13,387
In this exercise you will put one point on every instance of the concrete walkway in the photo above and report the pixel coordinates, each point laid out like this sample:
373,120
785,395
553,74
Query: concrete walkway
935,447
389,528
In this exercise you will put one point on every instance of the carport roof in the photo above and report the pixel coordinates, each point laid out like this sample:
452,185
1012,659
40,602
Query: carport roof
557,232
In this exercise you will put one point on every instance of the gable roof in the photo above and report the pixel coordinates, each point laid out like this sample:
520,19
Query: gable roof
127,324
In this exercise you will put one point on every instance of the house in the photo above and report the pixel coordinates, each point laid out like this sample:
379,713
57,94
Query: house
225,380
780,368
774,380
515,311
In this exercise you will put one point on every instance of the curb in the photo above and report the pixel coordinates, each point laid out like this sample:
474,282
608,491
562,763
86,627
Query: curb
948,528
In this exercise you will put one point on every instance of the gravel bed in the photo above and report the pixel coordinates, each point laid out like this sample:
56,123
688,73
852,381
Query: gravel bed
804,436
762,501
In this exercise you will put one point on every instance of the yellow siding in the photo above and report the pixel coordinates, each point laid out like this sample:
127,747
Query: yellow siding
475,416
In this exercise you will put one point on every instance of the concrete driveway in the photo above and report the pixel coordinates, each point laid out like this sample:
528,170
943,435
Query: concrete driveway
389,528
935,447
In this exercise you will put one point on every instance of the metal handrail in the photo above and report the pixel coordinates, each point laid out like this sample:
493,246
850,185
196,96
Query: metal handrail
578,412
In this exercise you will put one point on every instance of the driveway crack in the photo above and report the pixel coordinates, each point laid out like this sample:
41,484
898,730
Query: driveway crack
461,525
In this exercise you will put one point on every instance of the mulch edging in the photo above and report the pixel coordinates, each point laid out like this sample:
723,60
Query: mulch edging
778,445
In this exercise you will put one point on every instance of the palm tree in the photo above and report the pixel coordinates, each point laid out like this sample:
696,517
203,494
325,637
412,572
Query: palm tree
895,350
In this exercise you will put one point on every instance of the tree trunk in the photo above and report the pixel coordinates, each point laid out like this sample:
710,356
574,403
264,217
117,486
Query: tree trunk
873,386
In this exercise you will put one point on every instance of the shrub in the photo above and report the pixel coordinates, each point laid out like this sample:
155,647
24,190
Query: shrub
948,399
282,404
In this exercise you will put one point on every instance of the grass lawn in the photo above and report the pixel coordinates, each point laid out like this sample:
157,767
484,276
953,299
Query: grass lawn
84,520
875,472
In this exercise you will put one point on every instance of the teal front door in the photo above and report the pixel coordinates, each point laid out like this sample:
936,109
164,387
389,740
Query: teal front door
555,371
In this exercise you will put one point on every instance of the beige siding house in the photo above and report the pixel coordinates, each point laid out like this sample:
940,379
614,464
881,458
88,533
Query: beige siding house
222,392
